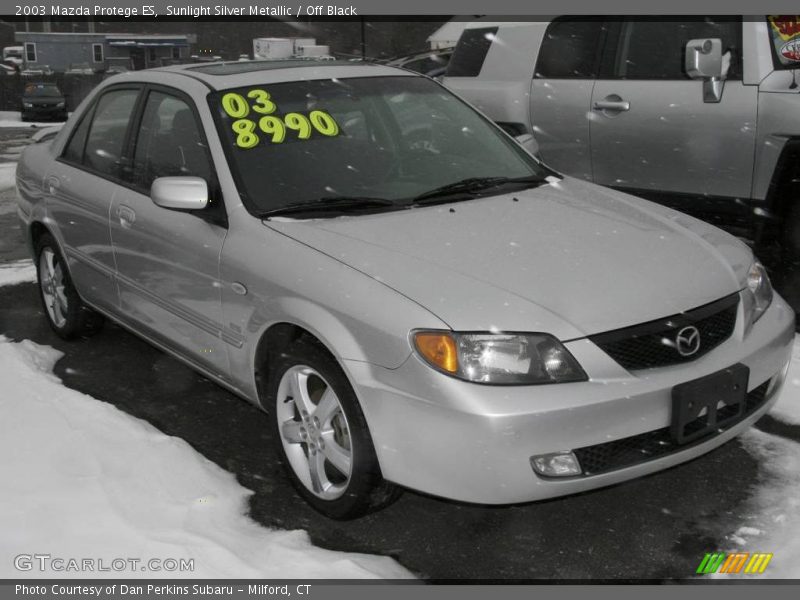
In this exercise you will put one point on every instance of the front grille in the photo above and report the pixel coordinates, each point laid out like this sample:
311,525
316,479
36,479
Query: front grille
636,449
652,344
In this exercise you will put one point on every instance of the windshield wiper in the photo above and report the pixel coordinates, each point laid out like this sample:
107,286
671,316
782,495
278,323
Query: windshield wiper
475,184
341,204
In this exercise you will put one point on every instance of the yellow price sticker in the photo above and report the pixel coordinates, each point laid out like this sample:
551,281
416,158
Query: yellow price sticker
238,107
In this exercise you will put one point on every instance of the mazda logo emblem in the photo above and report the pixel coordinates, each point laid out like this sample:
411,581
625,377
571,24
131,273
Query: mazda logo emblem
688,341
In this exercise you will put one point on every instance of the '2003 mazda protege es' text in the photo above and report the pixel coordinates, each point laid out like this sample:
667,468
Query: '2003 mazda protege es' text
414,299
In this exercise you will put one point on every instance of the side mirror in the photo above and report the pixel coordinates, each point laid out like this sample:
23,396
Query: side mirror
181,193
704,61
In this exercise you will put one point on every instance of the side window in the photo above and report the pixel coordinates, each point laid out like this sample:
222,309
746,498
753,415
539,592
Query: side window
655,49
470,52
570,49
104,144
169,143
74,150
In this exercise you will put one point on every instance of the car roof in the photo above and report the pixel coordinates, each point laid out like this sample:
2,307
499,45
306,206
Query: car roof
224,75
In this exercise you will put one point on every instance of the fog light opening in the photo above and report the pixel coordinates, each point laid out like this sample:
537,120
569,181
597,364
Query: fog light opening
556,464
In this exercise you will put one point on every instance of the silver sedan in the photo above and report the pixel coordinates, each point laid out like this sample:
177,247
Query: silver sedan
414,299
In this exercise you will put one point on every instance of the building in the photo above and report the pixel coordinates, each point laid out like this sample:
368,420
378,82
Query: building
99,52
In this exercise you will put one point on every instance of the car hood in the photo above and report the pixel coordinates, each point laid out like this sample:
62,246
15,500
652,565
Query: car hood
569,258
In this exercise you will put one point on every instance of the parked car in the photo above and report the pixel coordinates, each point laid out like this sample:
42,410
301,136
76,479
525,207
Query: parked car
43,101
698,113
452,316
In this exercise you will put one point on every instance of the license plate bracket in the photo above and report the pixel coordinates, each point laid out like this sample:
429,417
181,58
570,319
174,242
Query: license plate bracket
701,406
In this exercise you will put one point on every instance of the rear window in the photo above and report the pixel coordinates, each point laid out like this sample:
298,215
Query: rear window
570,49
470,52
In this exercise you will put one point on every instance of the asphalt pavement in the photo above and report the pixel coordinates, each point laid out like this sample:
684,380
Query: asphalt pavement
657,527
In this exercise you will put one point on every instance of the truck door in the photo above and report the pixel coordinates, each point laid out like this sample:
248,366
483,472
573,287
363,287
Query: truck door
652,132
561,92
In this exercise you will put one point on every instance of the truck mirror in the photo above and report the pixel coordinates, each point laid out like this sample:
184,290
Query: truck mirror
704,61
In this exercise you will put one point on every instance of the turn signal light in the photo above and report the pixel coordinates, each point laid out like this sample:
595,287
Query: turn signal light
439,349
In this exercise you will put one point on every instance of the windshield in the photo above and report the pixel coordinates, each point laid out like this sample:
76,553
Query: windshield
387,138
46,91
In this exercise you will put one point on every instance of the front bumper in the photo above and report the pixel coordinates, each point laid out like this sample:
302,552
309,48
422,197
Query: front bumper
44,112
473,443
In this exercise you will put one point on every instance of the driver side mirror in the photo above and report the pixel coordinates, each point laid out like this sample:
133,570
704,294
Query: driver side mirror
704,60
180,193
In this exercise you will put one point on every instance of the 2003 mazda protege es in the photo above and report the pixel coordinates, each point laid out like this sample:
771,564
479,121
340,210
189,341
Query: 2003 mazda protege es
413,298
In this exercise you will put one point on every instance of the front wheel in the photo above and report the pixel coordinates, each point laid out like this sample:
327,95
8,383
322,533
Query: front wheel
68,316
322,435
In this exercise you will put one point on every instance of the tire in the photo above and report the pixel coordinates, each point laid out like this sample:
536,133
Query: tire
66,313
321,434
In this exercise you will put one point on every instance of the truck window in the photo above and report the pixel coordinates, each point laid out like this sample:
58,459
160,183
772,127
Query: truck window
470,52
570,49
655,48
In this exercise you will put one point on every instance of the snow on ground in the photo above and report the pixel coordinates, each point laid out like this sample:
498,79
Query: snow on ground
11,118
85,480
21,271
771,520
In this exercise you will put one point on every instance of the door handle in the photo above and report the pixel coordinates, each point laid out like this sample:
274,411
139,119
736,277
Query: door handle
53,183
612,103
126,216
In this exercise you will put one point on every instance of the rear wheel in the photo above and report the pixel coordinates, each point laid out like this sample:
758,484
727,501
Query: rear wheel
322,435
68,316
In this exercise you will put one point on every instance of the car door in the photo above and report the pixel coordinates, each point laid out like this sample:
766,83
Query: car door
168,260
561,92
651,130
82,184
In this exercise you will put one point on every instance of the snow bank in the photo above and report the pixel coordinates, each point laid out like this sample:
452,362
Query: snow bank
8,175
21,271
787,409
84,480
771,519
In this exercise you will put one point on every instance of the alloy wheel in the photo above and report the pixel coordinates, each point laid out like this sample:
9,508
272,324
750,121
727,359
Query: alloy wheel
314,432
52,283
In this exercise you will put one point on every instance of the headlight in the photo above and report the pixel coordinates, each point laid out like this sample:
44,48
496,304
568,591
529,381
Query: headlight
27,105
760,287
60,105
498,358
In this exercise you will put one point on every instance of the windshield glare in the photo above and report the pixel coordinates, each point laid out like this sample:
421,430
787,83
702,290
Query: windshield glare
380,137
